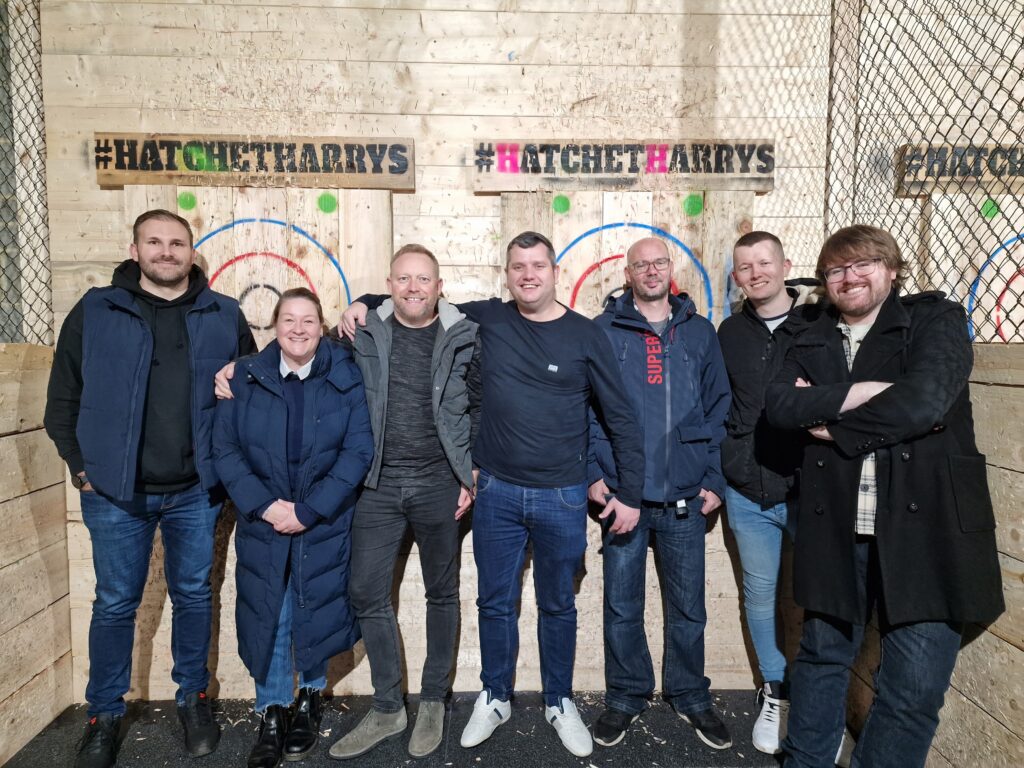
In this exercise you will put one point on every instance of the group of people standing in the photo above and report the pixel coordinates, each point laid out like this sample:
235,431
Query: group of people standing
844,423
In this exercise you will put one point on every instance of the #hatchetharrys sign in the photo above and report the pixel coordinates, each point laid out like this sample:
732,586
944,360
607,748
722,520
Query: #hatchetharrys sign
520,165
248,161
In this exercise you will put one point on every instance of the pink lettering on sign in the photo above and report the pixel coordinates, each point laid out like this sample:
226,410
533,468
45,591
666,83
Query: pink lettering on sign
508,158
657,158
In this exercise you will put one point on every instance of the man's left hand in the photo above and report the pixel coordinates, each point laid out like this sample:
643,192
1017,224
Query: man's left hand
711,501
626,517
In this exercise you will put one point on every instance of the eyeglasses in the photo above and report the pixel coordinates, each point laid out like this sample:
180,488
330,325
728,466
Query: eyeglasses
639,267
861,268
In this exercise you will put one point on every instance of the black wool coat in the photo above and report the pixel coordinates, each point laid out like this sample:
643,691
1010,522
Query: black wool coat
935,529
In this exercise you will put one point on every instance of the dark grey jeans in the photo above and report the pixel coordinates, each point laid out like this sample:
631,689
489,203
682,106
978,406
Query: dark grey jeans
381,519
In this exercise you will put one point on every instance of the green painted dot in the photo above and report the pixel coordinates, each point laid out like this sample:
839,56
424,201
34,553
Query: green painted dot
186,201
990,209
693,205
327,202
560,204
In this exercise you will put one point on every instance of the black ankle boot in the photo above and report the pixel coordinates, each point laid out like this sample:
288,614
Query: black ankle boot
100,742
305,727
266,752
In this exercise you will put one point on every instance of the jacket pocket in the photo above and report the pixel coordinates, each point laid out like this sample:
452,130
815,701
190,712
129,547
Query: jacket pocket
970,487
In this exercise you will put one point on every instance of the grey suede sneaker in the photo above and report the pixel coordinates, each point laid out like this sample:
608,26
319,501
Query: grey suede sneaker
429,728
374,728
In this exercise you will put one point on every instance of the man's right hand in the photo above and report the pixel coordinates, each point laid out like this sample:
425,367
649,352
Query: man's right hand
598,492
222,382
86,486
355,314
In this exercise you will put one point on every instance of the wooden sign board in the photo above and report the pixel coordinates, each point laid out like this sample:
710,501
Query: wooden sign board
526,165
923,168
253,161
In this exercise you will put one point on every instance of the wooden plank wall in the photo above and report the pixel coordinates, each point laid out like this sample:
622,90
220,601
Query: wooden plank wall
443,72
982,722
35,631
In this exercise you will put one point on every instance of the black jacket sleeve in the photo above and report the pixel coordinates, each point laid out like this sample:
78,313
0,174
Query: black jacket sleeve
64,393
246,341
474,386
614,409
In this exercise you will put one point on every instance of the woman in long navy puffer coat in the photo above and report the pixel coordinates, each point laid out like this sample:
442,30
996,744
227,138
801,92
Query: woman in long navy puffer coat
292,447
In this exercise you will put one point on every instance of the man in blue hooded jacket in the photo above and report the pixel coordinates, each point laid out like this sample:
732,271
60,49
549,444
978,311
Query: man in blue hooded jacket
674,373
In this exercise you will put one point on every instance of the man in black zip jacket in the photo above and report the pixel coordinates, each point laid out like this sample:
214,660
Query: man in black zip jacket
759,461
130,407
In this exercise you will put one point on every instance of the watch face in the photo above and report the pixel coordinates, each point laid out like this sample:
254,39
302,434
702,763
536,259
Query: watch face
78,481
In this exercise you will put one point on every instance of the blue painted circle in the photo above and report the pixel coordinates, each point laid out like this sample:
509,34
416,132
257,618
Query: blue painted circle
293,228
661,233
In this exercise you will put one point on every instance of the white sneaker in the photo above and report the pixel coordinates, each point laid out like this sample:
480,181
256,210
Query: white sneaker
770,728
487,715
845,749
574,734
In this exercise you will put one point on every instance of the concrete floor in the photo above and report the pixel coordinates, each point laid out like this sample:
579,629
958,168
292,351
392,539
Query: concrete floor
658,738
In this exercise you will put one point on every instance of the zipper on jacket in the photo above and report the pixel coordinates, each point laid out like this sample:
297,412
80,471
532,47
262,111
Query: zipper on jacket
668,412
131,418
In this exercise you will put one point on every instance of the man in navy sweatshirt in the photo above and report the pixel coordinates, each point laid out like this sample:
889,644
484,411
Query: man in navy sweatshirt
674,373
542,366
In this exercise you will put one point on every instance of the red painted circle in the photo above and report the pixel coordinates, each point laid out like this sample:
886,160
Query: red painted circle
999,303
265,255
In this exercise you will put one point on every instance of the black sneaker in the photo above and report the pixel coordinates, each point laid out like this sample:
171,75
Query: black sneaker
201,731
100,742
710,728
611,727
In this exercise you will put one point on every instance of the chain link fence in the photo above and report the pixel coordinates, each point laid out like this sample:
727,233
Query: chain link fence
26,314
926,140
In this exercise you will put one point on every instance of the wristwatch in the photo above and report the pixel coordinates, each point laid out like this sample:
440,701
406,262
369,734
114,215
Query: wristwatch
79,480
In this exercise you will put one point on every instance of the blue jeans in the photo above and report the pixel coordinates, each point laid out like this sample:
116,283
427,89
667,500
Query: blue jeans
279,685
122,542
679,549
506,518
911,681
758,534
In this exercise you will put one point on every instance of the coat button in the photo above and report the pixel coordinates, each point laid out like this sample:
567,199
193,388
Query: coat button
820,462
819,510
912,507
905,455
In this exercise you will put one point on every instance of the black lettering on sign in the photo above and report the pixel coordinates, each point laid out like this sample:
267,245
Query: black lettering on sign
170,149
590,156
680,162
912,162
701,158
723,158
355,158
150,158
549,156
997,169
937,157
308,160
236,149
1015,166
567,150
377,153
746,154
125,154
612,164
284,157
634,151
980,153
261,148
331,158
398,154
958,166
530,160
766,158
